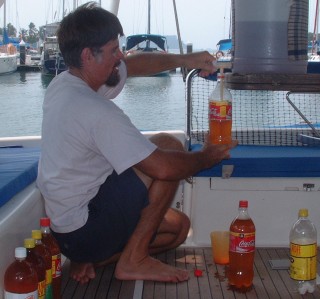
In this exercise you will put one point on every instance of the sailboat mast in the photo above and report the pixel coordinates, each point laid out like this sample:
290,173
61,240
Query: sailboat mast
4,14
149,24
149,15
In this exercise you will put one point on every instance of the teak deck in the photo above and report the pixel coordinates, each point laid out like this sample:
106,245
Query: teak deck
268,283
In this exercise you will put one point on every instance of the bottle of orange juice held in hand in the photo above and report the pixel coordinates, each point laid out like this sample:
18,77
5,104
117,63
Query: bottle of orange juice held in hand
20,278
49,240
242,248
220,113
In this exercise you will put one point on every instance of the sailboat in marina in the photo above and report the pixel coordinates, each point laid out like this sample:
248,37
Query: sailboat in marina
8,53
52,62
146,42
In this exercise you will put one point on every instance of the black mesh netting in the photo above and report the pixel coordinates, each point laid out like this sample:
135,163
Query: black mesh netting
259,117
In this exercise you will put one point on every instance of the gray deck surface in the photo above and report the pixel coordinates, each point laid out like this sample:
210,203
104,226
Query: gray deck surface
268,283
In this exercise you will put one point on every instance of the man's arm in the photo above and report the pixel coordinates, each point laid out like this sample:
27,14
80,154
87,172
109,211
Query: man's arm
144,64
175,165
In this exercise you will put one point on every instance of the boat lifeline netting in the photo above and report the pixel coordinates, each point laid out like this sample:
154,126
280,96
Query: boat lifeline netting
259,117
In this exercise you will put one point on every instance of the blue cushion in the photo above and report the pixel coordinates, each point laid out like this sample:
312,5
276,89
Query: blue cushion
18,169
268,161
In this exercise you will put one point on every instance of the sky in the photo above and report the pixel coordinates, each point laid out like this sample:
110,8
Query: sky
201,22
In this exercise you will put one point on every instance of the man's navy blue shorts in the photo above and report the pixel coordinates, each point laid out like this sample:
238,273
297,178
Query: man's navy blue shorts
113,215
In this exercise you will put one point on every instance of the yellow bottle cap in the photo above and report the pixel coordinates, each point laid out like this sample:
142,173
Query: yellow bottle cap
29,243
36,234
303,213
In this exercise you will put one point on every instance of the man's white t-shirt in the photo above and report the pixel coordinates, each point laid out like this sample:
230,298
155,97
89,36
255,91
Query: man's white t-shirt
85,136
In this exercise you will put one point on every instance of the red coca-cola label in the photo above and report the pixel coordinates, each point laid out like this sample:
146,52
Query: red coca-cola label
220,110
242,242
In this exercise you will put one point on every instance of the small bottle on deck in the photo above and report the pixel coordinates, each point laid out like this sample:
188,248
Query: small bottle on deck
51,243
39,265
242,249
303,252
44,252
20,278
220,113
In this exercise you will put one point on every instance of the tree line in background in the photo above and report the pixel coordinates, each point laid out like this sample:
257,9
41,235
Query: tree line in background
31,35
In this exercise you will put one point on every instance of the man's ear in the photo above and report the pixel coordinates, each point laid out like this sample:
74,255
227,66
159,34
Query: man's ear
86,55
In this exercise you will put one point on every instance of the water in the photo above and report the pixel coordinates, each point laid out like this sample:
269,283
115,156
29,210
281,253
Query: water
158,103
152,103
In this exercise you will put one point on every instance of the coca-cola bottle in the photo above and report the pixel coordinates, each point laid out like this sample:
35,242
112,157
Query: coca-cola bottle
220,113
242,248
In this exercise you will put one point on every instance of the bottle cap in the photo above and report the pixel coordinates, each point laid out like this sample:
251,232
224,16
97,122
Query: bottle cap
303,213
36,234
20,252
29,243
44,221
243,204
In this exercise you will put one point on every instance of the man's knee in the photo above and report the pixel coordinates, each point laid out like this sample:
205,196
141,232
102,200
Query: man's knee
167,141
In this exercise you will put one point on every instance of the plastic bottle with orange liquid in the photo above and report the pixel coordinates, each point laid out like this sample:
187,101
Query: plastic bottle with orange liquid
39,264
42,250
242,249
220,113
20,278
51,243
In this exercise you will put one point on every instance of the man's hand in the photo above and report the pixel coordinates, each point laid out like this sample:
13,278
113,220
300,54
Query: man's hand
215,153
201,60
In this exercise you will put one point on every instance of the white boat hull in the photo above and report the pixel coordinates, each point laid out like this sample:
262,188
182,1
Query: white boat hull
273,204
8,63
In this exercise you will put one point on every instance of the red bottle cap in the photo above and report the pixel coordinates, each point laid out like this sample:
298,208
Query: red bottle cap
44,221
197,273
243,204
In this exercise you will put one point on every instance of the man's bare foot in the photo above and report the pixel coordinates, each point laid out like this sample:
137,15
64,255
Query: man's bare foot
150,269
82,272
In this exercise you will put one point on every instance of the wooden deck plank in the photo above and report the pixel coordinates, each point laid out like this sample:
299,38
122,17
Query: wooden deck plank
275,276
258,286
191,263
148,289
227,293
160,287
213,276
182,288
203,281
171,288
93,285
284,274
127,289
213,284
105,281
265,277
